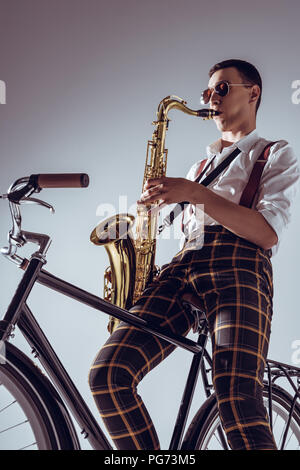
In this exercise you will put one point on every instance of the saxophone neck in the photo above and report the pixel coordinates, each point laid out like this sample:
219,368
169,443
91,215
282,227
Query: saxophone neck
175,102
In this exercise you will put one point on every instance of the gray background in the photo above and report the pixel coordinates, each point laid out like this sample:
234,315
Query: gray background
84,79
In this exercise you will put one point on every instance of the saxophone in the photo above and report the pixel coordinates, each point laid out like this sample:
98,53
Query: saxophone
132,260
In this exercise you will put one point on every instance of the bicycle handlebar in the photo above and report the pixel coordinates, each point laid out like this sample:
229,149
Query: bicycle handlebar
61,180
24,187
19,193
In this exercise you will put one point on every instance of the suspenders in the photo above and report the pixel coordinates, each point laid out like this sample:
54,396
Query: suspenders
253,182
168,220
251,187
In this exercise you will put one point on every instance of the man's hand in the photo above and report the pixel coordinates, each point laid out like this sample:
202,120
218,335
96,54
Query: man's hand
166,190
244,222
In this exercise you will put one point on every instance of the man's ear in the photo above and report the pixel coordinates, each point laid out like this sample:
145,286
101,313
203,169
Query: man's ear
254,94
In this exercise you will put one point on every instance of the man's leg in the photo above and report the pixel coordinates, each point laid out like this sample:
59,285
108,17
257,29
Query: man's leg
240,322
126,358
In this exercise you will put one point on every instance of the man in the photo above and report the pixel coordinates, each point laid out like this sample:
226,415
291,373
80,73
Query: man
230,275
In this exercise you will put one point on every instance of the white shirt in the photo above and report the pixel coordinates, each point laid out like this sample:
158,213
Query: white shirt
279,183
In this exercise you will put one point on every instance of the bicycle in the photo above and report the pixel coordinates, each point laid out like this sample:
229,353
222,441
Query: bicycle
43,401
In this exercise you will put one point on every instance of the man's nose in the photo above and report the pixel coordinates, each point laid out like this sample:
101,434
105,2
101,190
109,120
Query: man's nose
215,98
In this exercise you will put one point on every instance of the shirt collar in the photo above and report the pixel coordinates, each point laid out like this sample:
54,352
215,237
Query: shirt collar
244,144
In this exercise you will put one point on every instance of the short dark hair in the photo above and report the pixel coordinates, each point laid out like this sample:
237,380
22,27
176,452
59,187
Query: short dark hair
246,70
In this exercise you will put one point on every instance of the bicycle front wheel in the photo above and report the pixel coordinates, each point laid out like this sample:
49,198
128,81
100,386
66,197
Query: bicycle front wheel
31,414
205,431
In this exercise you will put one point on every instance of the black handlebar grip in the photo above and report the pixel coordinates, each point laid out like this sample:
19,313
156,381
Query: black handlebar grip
62,180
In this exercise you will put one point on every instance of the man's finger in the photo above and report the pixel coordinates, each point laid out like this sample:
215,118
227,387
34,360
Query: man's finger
152,182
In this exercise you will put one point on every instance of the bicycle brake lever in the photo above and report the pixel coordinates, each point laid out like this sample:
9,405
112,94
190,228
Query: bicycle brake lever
33,200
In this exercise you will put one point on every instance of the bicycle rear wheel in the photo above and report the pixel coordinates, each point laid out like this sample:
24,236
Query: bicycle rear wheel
31,413
205,432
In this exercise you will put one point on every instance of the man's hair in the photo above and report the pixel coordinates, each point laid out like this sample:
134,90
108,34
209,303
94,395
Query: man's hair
247,71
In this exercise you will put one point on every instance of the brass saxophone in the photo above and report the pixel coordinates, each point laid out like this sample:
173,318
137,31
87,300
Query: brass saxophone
131,260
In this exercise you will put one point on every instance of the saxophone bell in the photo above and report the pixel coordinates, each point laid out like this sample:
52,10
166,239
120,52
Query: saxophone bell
115,234
116,227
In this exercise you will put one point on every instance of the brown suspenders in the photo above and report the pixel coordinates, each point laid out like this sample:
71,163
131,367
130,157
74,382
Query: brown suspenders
254,180
251,187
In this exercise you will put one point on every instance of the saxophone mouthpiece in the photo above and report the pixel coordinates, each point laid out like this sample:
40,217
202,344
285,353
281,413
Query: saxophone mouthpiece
208,113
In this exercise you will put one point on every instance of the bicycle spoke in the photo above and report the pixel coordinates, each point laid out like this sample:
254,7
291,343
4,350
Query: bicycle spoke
274,421
281,437
7,406
218,439
30,445
15,426
211,440
288,440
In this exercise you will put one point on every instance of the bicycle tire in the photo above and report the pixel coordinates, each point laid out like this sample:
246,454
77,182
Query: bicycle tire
35,401
207,419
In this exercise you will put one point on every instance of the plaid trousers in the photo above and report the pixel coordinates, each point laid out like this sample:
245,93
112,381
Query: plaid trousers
232,278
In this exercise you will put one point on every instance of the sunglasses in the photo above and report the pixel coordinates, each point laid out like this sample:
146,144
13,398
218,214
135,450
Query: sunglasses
221,88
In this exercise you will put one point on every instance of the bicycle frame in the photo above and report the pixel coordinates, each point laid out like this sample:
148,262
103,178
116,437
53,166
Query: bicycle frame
18,313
